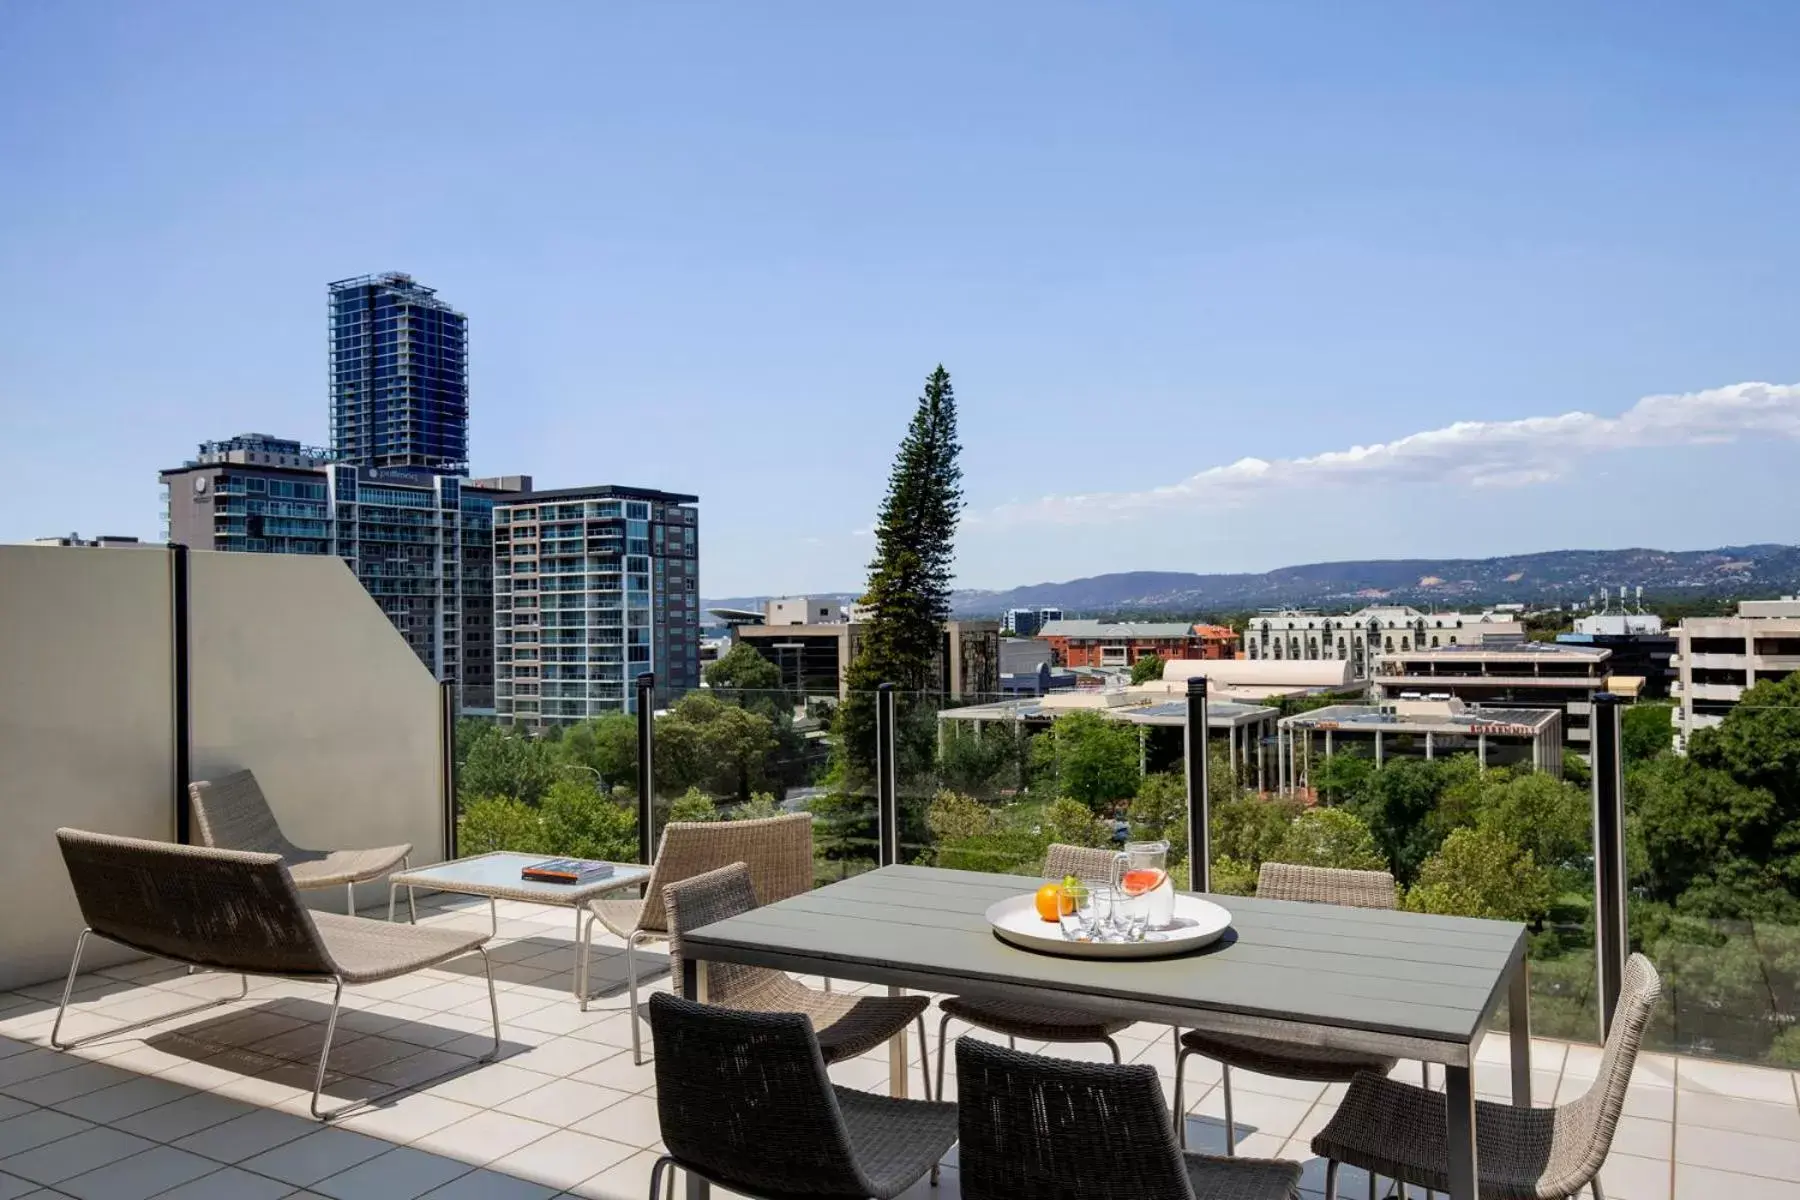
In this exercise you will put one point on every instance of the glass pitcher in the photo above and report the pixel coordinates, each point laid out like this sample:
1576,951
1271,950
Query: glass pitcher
1143,868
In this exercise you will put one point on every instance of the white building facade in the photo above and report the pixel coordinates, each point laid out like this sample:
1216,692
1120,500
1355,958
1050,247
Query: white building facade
1717,658
1359,637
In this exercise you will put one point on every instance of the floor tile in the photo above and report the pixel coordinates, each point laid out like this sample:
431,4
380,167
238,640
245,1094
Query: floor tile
1628,1177
627,1180
11,1187
399,1174
1746,1153
177,1119
16,1069
1702,1183
493,1084
48,1090
56,1161
485,1137
150,1173
562,1102
112,1104
490,1185
420,1068
620,1073
632,1121
1726,1079
563,1159
230,1183
1746,1116
1643,1137
563,1056
409,1117
305,1161
247,1136
27,1131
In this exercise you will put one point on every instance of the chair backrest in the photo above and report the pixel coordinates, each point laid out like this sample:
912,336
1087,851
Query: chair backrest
1585,1126
1325,885
1083,862
778,851
231,813
1045,1128
744,1098
225,909
701,900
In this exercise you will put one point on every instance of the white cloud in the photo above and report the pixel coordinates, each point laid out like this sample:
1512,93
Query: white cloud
1477,454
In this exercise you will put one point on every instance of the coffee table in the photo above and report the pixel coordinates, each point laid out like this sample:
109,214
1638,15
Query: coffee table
496,876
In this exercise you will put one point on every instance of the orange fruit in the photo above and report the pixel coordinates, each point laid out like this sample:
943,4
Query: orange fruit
1053,902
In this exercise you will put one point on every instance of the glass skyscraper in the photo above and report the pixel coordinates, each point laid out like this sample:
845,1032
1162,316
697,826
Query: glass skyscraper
399,376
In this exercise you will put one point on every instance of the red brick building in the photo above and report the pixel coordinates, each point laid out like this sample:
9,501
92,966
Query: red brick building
1121,643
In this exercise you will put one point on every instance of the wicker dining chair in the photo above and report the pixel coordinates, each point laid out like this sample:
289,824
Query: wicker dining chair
1271,1055
778,851
1039,1128
846,1025
745,1102
231,813
1399,1130
1035,1022
240,913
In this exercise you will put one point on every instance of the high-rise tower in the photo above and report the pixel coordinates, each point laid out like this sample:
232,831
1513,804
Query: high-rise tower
399,376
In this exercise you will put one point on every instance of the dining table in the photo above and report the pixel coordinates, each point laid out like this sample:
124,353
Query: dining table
1392,983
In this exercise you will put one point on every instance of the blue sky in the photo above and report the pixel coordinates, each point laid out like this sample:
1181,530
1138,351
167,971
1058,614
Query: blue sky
717,247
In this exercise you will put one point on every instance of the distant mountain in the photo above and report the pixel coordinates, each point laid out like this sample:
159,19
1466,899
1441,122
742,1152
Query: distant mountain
1551,576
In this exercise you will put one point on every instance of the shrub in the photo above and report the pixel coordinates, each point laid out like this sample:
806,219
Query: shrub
1329,837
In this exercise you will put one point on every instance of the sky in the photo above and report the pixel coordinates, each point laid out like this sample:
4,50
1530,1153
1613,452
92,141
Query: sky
1220,286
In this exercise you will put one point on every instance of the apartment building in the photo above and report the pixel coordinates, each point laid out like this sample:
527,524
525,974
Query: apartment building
1089,643
1359,637
399,375
1544,675
1716,658
1640,647
421,543
1026,622
815,659
593,587
801,610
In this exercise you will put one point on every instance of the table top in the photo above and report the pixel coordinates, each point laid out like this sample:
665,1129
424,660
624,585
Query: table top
1410,975
497,875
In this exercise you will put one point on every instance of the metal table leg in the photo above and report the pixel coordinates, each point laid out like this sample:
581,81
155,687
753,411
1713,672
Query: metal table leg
897,1055
1459,1097
1518,1008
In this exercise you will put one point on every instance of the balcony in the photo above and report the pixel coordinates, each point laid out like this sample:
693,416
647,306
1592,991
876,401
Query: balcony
353,747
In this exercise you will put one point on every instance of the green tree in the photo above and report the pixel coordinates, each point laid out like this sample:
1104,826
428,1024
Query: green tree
741,668
492,823
507,764
1646,731
1479,873
1249,829
1576,770
758,807
1342,777
577,821
1550,817
1160,805
1089,758
606,744
982,761
1397,803
909,578
694,805
1073,823
721,748
1759,742
1705,833
1147,669
1329,837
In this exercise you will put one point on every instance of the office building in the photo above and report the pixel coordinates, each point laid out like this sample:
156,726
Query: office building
1437,728
801,610
1085,643
1515,675
399,376
1641,649
1025,622
421,543
815,659
1359,637
593,587
1717,658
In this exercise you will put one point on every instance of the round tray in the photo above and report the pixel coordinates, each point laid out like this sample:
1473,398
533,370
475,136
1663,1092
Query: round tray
1197,923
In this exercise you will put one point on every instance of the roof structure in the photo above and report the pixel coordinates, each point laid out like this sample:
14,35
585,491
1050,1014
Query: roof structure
1087,628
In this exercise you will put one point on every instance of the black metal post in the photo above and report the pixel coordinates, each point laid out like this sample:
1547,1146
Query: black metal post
447,770
646,715
887,779
182,732
1612,937
1193,750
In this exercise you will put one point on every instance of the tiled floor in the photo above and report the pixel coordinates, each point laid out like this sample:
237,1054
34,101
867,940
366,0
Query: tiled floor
212,1107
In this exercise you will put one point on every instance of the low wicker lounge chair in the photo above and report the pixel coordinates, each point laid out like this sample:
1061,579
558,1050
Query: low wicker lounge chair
1039,1128
1271,1055
777,849
239,913
846,1025
1398,1130
745,1103
231,813
1034,1022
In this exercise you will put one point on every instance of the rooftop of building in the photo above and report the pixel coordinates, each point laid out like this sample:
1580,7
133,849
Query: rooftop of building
1505,651
395,281
1087,627
605,491
1426,715
1120,706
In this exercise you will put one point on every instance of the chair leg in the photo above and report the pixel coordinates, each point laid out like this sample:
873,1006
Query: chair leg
1595,1184
637,1037
1331,1170
412,907
943,1053
925,1058
350,898
56,1041
665,1163
487,968
1181,1098
583,954
337,998
1230,1124
1114,1047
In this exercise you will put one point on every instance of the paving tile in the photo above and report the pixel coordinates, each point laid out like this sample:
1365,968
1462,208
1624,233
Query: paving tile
632,1121
11,1186
177,1119
562,1102
17,1069
1254,1112
563,1159
1746,1153
627,1180
420,1068
230,1183
1703,1183
112,1104
245,1137
150,1173
408,1117
485,1137
1644,1137
48,1090
1629,1177
493,1083
491,1185
1746,1116
56,1161
1726,1079
400,1174
10,1108
324,1152
29,1130
565,1056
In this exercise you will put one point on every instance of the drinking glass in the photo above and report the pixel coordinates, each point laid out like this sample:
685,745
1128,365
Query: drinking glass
1130,915
1078,923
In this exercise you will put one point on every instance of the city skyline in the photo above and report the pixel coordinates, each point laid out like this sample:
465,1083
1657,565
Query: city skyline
1257,291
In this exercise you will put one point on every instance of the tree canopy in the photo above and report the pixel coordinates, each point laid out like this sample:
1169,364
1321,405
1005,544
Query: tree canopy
1147,669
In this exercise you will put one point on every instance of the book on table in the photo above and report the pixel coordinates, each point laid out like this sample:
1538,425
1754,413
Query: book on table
566,870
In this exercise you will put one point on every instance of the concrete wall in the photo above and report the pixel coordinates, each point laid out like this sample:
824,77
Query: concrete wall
86,720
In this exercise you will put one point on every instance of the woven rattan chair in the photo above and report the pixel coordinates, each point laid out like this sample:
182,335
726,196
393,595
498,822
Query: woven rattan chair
846,1025
1033,1022
1522,1153
777,849
745,1102
231,813
240,913
1039,1128
1271,1055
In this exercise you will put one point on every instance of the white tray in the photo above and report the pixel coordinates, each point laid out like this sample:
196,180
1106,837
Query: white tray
1197,923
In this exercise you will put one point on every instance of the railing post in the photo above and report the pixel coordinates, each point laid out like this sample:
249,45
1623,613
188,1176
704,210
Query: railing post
1199,808
887,778
182,726
447,769
1612,936
646,717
